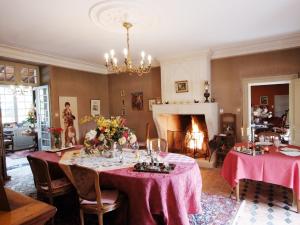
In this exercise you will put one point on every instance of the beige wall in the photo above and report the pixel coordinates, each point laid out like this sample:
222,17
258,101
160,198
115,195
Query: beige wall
83,85
227,75
149,84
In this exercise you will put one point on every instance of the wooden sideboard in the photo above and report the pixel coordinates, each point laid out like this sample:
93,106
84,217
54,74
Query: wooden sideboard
25,210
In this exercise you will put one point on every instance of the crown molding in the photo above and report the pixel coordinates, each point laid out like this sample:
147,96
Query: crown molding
42,58
186,56
257,46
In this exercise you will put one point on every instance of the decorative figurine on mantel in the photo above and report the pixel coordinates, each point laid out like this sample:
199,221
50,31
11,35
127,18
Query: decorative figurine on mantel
206,93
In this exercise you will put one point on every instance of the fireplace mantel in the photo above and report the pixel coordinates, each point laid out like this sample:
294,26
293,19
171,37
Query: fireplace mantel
210,110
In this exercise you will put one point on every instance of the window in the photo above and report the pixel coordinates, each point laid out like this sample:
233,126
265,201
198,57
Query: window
15,105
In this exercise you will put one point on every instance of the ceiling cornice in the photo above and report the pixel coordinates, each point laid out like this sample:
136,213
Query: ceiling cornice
257,46
43,58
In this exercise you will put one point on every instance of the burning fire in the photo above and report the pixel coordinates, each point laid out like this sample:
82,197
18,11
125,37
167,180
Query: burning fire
195,137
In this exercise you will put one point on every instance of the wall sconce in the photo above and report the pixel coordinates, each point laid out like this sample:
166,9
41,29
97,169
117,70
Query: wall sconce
206,93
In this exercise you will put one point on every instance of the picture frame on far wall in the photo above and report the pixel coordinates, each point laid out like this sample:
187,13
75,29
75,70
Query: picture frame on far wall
95,107
264,100
137,101
181,86
151,102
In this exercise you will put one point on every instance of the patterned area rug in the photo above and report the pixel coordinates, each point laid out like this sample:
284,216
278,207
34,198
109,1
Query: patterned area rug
266,204
217,210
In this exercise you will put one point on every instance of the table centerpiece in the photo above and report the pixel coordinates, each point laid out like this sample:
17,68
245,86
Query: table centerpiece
109,134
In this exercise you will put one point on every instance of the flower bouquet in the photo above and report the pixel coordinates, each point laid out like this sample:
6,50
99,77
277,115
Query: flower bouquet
56,132
108,132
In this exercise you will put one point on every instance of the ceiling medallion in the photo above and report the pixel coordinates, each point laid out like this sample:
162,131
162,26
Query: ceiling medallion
111,61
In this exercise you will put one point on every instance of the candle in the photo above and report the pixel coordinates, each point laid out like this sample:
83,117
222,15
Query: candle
147,144
158,145
242,131
151,145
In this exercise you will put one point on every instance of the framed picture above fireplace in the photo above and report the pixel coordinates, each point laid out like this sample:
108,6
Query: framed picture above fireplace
181,86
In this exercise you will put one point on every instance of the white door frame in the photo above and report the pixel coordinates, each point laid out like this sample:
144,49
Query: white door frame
266,80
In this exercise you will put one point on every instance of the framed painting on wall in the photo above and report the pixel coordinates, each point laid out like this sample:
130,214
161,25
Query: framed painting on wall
137,102
95,107
181,86
264,100
69,120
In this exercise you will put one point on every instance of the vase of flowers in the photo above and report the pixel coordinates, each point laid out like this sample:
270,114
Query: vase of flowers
109,134
31,119
56,133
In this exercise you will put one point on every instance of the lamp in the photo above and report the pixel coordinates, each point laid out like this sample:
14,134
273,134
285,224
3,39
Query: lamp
111,61
206,93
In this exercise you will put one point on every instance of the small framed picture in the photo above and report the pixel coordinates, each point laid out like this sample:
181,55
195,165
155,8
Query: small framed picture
151,102
137,101
264,100
181,86
95,107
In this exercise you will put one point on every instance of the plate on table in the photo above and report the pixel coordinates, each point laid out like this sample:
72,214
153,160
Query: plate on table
59,149
264,143
291,153
283,145
286,149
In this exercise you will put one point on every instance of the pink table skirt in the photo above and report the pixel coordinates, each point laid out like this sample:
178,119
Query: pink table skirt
273,167
173,195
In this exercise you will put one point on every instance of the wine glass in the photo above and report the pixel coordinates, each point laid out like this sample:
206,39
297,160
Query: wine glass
135,147
276,143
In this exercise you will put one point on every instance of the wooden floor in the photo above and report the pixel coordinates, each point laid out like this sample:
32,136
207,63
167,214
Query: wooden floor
213,182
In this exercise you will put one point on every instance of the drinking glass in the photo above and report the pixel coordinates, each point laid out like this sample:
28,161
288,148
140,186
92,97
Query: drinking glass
276,143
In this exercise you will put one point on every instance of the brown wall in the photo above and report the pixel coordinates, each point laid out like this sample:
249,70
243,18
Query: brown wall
83,85
270,91
149,84
227,75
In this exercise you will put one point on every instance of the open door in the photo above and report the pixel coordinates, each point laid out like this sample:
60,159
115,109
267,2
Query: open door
43,116
295,112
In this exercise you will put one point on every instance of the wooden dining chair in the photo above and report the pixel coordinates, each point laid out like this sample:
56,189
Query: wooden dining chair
269,134
92,200
163,144
45,186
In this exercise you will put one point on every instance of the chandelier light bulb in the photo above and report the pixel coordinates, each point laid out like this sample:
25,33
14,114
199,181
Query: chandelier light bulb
112,53
115,61
125,51
142,62
143,54
149,59
106,57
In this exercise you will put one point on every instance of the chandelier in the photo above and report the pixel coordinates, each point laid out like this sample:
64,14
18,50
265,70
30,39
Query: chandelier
111,62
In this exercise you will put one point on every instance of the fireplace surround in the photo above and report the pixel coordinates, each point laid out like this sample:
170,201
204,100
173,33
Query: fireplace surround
163,116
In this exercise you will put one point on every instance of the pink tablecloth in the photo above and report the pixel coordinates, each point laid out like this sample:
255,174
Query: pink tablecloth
273,167
173,195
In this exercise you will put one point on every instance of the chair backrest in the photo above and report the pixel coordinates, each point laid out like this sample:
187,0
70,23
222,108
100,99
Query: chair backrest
163,144
40,171
269,134
228,123
87,183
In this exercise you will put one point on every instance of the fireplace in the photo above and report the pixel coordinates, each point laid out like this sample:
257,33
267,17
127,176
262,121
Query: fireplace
189,136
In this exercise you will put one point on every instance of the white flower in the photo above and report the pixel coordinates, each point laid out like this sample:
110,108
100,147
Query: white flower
91,135
132,138
122,141
101,137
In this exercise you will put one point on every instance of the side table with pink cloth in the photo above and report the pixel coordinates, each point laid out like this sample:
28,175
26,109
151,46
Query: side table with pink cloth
174,196
273,167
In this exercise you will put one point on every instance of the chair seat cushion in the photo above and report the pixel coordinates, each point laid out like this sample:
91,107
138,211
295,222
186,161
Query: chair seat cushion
107,197
58,183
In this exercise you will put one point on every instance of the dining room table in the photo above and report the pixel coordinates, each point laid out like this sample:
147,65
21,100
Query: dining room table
276,165
172,196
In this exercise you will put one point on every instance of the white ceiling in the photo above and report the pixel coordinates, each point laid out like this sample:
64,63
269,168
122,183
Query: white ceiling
84,29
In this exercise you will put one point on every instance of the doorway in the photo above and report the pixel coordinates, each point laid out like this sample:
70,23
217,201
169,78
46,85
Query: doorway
269,109
247,83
